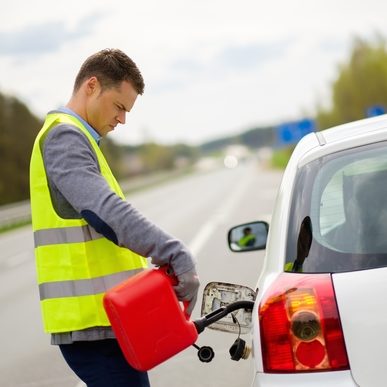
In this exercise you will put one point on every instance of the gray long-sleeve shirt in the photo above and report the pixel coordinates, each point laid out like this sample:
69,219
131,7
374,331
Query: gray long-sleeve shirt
78,190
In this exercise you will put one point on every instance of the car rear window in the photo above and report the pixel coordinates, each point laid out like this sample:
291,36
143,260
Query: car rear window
338,219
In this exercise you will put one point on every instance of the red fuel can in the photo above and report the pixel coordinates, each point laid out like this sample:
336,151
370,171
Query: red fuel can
148,320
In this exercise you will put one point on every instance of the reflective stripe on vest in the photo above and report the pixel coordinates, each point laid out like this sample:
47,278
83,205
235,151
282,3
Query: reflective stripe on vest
75,264
85,287
73,234
246,239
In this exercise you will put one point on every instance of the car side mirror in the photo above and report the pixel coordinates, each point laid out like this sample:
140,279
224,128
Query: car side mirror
218,295
248,236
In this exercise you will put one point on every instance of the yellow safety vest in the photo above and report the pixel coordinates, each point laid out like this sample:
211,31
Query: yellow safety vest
75,264
243,242
289,267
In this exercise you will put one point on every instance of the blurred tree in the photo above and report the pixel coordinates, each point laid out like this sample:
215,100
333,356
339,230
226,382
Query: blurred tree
361,83
113,153
254,138
187,151
156,157
18,129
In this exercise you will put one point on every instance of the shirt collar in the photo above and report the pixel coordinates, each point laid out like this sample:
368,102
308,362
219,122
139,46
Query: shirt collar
89,128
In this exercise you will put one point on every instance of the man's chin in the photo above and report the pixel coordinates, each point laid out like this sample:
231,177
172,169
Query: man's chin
106,130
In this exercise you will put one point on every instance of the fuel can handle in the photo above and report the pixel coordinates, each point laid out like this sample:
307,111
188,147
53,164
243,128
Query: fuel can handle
168,270
147,318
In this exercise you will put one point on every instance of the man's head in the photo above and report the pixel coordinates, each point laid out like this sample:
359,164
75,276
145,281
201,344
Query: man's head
110,67
247,230
105,89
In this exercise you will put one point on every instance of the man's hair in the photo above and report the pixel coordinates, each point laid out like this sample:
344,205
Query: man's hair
110,67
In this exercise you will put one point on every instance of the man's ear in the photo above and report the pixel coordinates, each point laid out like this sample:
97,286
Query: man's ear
92,85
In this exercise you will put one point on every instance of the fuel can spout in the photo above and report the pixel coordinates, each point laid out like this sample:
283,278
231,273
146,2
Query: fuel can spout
219,313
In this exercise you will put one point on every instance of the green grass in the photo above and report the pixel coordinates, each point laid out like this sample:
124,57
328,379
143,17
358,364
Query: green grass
281,157
14,226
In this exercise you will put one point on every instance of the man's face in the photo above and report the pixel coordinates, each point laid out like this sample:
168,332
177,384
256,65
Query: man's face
105,109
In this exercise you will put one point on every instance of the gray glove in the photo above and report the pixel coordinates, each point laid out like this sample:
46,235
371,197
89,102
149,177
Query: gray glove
187,288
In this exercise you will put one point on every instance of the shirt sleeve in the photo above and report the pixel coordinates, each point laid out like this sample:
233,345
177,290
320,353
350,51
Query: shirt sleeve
73,173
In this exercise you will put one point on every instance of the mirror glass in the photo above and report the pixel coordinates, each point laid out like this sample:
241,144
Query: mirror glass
218,294
248,236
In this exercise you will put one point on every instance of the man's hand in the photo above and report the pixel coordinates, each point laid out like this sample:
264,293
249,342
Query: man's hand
187,288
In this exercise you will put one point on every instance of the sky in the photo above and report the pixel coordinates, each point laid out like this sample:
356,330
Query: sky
212,68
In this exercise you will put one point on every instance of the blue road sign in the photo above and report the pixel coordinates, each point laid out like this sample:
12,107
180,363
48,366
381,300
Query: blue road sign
375,110
292,132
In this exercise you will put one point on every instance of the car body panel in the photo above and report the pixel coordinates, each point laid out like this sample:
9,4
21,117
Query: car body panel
361,299
319,379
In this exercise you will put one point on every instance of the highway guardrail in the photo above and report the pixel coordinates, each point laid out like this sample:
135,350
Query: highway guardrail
15,213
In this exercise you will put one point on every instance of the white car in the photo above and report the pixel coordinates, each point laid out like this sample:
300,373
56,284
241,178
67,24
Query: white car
320,310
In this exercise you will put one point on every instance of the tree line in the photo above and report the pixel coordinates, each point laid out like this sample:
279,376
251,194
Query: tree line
18,129
361,82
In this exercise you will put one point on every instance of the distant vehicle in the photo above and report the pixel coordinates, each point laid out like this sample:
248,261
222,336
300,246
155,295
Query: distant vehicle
320,311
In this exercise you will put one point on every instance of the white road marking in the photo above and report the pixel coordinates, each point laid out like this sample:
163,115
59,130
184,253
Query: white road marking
225,207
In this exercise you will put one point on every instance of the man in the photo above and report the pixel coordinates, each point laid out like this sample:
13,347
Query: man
87,237
248,238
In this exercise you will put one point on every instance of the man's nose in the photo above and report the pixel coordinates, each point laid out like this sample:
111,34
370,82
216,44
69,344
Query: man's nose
121,118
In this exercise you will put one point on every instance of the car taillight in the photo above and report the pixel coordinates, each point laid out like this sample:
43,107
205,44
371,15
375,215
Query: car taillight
300,325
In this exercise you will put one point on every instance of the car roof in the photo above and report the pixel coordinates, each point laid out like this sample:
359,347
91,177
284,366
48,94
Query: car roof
354,129
341,137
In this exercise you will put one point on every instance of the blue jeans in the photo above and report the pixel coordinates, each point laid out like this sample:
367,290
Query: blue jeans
101,364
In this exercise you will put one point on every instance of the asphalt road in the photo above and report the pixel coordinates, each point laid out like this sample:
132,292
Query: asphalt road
199,209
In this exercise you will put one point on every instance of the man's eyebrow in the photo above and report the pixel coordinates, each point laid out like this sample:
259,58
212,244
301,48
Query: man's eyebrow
122,106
